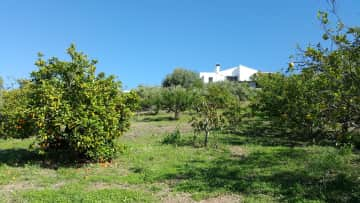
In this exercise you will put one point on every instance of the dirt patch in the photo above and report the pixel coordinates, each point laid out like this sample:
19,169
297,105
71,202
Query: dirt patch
101,186
186,198
28,185
23,185
50,173
150,128
223,199
237,151
160,189
59,185
178,198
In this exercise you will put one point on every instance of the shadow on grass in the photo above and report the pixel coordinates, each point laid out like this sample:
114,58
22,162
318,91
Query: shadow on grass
157,118
267,173
265,140
19,157
261,132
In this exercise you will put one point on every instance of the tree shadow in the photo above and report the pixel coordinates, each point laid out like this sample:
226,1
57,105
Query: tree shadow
19,157
261,132
157,118
263,141
266,173
243,138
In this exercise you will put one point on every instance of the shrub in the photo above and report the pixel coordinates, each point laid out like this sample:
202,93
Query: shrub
76,110
172,138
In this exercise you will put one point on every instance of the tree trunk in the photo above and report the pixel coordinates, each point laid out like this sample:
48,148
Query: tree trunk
177,115
344,131
206,138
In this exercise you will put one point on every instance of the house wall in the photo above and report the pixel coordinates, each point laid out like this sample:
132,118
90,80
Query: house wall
241,72
205,76
246,73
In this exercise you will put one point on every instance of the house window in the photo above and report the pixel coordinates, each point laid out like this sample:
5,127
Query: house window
210,79
232,78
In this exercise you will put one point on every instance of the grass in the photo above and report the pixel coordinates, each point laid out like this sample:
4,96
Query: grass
234,168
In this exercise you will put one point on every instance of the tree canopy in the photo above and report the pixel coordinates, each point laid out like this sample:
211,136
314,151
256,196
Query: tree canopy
182,77
76,110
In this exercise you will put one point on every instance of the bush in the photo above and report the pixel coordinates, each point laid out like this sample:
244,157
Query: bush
172,138
76,110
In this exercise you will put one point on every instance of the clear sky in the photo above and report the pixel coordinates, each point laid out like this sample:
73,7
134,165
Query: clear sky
140,41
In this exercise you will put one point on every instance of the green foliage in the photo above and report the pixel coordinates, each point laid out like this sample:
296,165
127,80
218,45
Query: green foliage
220,105
132,100
218,94
319,98
75,194
227,91
76,110
234,114
181,77
172,138
177,99
223,94
1,83
1,91
336,75
207,118
288,102
150,98
231,99
15,119
1,94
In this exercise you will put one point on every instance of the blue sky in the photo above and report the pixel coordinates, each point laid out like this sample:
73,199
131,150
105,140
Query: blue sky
140,41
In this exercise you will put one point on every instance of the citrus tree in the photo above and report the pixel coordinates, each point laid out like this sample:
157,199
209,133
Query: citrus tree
15,119
319,96
76,110
177,99
206,118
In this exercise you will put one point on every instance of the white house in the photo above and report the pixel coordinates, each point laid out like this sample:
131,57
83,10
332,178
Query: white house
239,73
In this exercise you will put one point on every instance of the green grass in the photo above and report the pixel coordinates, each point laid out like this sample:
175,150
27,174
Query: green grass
249,169
75,194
